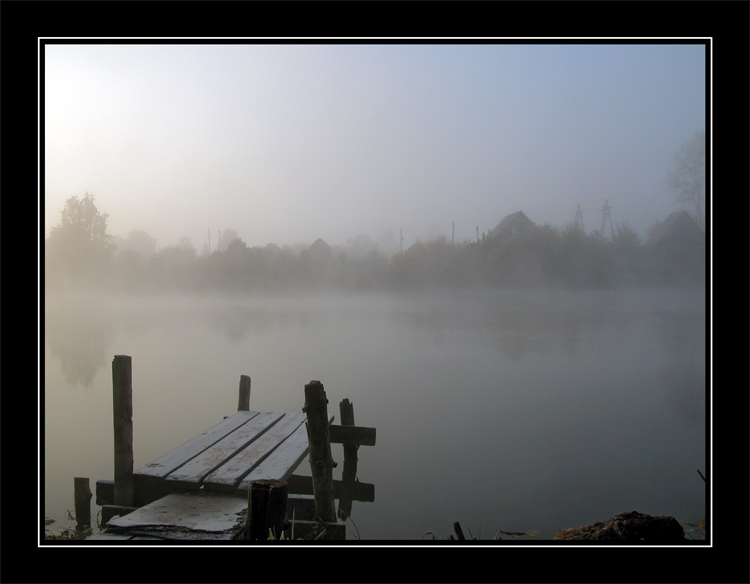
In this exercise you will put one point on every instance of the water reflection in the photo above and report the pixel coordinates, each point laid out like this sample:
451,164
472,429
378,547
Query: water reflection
79,332
685,345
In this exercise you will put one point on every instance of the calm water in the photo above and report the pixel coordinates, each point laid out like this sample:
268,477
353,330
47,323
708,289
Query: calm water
511,411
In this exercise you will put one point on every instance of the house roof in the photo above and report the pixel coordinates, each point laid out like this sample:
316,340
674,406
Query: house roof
320,250
677,229
511,222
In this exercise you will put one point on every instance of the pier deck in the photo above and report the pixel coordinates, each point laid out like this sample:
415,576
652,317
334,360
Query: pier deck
201,489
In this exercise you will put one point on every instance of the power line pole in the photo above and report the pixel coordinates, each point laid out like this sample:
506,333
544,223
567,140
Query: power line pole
605,216
453,234
209,241
401,235
579,219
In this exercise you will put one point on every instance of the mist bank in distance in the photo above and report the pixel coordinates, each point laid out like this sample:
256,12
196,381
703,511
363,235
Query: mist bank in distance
525,256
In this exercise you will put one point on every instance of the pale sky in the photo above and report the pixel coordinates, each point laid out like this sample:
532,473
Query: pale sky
286,143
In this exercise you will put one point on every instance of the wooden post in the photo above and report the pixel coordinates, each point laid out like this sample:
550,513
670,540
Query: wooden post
82,496
244,404
321,461
349,472
266,509
122,384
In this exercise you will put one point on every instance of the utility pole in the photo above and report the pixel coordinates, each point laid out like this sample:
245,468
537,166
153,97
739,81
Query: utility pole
453,234
209,241
477,233
579,219
401,235
606,215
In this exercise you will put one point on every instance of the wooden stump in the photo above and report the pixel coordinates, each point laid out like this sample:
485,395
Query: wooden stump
266,509
82,496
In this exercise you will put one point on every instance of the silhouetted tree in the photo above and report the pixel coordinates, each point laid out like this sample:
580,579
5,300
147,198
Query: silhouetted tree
80,245
688,176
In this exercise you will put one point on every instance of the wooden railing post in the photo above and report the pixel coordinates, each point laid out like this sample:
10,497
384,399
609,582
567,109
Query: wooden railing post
82,497
244,403
122,385
321,461
349,472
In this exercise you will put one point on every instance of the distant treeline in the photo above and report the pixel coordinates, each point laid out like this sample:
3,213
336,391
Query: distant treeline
539,256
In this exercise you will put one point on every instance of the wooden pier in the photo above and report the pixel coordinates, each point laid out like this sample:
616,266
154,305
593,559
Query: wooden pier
203,488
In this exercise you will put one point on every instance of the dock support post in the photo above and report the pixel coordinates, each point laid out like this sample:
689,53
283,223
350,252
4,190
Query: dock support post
122,384
82,496
244,403
349,472
321,461
266,509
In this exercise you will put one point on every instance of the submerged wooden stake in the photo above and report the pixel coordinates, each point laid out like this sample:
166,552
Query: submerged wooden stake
82,496
244,403
122,385
321,461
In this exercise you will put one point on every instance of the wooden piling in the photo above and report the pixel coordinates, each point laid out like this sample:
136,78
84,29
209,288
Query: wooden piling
244,403
266,509
122,385
321,461
82,495
349,472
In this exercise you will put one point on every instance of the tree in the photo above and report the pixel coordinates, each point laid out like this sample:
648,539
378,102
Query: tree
688,176
80,242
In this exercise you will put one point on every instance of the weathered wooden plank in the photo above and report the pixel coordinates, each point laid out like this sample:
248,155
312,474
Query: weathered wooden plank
191,474
282,462
175,458
352,435
109,511
198,515
358,491
229,474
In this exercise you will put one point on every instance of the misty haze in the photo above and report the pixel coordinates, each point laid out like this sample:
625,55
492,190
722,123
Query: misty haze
509,286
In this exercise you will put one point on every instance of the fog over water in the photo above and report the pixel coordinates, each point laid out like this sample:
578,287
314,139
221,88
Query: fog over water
517,411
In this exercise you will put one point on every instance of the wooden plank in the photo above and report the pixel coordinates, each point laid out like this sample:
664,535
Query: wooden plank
196,515
175,458
229,474
191,474
109,511
282,462
352,435
358,491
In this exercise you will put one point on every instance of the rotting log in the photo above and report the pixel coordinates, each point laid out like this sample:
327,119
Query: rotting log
266,509
244,401
122,390
321,461
82,496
